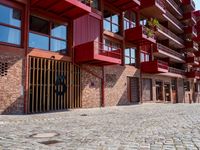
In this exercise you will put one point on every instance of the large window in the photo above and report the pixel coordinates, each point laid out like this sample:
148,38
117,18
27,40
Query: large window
47,35
111,22
144,57
130,56
10,25
129,20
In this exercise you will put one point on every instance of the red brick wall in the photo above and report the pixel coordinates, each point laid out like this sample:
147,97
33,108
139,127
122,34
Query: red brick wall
11,85
115,85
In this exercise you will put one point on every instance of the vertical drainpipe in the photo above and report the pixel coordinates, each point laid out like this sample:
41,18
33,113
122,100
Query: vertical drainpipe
103,88
25,35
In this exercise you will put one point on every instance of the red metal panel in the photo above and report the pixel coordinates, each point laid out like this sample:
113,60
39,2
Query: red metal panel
71,9
87,28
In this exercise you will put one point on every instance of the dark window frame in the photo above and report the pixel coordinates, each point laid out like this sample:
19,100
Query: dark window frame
111,23
51,22
130,56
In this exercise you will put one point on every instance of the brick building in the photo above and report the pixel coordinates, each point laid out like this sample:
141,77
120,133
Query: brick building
64,54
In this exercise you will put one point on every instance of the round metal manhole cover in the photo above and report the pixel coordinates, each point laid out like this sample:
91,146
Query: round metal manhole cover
45,135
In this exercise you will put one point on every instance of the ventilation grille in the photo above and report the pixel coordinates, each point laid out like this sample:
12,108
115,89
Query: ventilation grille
3,68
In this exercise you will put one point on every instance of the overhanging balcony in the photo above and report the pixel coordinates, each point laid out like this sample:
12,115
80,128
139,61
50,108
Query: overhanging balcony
97,53
124,4
193,74
192,60
154,8
190,32
189,18
70,9
139,35
162,51
165,34
191,46
174,24
155,66
177,71
175,8
189,5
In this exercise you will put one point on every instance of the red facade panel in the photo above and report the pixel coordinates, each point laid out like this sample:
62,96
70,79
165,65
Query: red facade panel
86,29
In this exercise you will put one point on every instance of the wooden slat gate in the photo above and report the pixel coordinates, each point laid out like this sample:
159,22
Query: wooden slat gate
53,85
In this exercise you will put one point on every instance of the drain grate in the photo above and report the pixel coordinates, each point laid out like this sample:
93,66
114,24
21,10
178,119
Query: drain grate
50,142
83,115
44,135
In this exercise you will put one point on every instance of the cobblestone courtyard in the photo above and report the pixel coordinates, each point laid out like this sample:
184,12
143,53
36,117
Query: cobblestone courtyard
142,127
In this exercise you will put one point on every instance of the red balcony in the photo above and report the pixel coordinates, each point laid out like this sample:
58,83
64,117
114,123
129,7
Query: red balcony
193,74
189,18
162,51
190,32
192,60
70,9
177,71
189,5
153,3
124,4
191,46
139,35
97,53
174,8
155,66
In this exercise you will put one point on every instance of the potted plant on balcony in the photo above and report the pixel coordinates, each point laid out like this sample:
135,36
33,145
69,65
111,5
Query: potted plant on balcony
151,27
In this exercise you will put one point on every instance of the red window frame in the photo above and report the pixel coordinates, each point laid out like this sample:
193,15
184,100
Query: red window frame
20,8
51,22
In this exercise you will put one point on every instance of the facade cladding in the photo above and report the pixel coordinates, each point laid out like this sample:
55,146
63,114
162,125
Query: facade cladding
65,54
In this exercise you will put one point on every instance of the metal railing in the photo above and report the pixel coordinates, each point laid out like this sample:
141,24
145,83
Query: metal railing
168,32
176,71
109,51
170,51
161,3
162,64
176,21
173,3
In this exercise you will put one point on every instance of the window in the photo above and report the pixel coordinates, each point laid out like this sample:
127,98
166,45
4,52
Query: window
144,57
187,85
129,20
47,35
111,45
111,22
130,56
143,21
10,25
92,3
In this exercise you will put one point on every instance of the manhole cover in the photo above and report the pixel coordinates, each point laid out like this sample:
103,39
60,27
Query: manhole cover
44,135
50,142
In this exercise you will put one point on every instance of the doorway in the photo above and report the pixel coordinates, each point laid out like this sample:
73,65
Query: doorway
159,91
167,92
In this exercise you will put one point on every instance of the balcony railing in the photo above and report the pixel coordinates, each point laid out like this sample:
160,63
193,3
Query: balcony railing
176,71
155,66
106,50
168,32
161,3
96,52
173,3
176,21
170,51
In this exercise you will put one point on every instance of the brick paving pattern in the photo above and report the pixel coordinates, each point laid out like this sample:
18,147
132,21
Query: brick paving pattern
139,127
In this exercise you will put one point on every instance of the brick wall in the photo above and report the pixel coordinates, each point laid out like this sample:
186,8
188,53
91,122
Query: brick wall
11,84
91,87
115,85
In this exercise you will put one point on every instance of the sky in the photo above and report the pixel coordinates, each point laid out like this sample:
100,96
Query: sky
197,2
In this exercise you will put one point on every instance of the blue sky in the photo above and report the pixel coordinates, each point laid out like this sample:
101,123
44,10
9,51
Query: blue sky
197,2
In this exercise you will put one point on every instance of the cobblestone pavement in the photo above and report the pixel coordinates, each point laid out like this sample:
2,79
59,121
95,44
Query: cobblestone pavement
142,127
